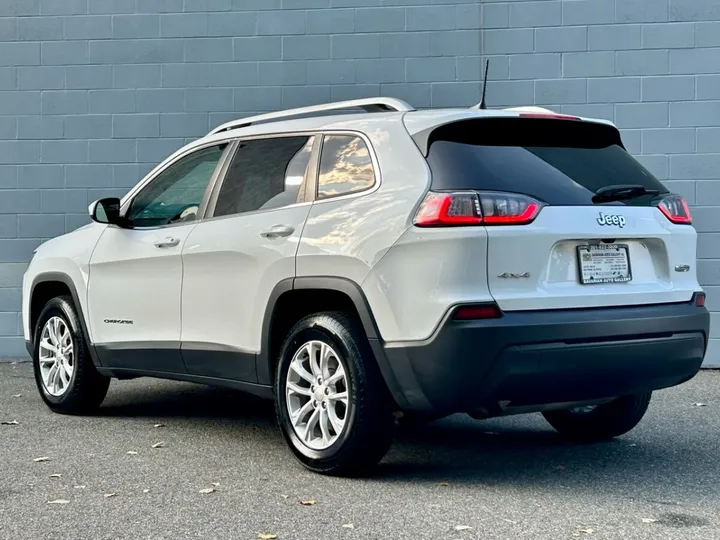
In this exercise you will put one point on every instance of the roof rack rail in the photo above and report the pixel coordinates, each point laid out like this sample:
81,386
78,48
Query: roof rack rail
370,105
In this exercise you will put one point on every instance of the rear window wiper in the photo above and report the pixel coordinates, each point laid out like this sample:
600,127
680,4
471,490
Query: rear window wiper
622,193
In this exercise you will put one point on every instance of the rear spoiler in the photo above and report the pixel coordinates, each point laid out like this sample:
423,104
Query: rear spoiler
424,138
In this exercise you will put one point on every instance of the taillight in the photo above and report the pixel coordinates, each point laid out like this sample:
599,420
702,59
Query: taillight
481,311
699,299
470,208
675,209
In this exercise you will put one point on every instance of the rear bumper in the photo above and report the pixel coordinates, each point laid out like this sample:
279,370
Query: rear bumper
560,356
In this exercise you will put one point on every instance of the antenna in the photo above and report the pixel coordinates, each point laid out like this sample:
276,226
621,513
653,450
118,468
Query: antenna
482,101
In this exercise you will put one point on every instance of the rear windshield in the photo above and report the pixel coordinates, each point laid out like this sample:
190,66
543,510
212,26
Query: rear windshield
559,162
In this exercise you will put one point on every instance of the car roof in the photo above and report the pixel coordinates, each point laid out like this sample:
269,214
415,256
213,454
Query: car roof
378,112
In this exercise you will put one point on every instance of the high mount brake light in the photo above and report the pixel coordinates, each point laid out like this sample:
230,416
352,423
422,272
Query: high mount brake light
549,115
675,209
470,208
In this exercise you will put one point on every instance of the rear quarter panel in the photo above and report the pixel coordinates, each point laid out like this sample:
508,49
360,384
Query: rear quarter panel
347,236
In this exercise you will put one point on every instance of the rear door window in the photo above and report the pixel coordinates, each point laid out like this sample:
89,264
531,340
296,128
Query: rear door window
560,162
265,174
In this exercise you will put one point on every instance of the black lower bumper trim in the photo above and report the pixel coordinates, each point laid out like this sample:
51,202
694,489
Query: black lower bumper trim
535,358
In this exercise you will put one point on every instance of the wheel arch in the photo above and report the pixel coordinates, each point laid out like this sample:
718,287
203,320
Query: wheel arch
326,293
49,285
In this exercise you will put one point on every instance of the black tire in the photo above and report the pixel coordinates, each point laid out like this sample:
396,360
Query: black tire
86,389
369,422
604,421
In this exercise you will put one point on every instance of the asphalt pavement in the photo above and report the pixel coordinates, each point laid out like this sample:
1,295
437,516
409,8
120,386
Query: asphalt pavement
505,478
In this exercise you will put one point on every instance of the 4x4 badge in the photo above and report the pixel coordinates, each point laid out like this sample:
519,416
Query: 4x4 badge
614,219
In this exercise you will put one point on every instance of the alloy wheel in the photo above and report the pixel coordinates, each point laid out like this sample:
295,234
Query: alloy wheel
316,394
56,356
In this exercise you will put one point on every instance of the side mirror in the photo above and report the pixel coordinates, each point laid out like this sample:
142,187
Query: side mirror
105,211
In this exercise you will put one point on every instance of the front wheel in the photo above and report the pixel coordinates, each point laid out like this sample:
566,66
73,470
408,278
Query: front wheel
64,372
600,422
332,404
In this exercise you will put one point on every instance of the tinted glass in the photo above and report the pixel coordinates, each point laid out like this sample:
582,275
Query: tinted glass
265,174
560,162
345,166
176,193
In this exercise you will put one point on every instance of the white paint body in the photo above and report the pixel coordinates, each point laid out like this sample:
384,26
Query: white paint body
214,285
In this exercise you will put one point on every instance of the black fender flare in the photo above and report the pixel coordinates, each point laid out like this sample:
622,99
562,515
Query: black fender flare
66,280
353,291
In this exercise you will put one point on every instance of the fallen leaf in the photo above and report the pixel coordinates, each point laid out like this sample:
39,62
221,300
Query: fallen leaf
59,501
285,496
648,520
56,475
216,484
583,531
159,425
17,395
10,423
159,445
108,495
79,487
132,453
700,404
207,490
489,433
348,526
307,502
633,444
146,491
267,536
39,459
462,527
443,484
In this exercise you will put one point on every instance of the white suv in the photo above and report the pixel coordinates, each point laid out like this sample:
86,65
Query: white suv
354,266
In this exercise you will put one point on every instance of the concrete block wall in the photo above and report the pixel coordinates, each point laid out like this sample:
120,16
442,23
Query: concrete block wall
651,66
93,93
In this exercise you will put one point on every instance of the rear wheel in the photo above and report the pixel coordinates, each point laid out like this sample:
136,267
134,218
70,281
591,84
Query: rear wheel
332,404
64,372
600,422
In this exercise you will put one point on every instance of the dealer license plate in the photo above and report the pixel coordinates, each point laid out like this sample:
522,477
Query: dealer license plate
604,263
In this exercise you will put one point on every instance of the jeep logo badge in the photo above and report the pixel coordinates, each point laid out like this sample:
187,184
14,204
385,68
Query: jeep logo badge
618,221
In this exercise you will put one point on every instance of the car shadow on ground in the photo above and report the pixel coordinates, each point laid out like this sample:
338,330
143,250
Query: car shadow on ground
458,450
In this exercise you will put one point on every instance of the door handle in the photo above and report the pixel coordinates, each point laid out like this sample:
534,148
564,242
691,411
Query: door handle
167,242
277,231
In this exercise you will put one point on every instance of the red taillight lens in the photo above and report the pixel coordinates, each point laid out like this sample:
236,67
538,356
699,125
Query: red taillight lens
469,313
675,209
470,208
508,209
448,209
700,300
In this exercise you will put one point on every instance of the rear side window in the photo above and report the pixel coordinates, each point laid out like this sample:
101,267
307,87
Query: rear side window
560,162
265,174
345,166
